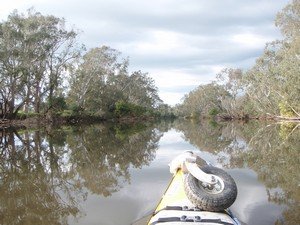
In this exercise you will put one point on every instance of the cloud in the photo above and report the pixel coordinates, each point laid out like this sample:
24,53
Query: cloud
181,43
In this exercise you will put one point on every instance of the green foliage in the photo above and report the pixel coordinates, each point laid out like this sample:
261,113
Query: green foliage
59,103
128,109
286,129
213,112
213,123
285,110
123,131
24,115
202,100
165,111
67,113
195,115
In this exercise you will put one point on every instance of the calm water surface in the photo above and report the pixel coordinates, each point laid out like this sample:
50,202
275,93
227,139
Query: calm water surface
115,175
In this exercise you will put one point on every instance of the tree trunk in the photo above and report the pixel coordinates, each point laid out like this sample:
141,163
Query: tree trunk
37,98
11,103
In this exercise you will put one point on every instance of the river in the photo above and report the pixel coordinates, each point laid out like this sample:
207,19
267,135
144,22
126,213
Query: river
112,174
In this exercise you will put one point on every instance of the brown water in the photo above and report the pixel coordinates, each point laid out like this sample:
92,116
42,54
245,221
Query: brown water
115,175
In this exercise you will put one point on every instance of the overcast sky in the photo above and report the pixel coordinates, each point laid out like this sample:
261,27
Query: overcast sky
181,43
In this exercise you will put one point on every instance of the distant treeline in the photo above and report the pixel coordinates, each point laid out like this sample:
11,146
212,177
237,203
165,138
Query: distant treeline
271,88
44,71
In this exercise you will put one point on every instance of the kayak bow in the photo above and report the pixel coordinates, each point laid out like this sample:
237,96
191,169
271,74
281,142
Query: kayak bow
177,208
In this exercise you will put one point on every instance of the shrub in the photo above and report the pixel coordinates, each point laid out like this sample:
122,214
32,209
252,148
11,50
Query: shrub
128,109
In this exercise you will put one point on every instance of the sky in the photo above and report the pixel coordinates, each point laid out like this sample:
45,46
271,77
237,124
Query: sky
181,43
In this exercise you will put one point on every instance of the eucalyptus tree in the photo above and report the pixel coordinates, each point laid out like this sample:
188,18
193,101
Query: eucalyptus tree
90,83
36,52
288,20
11,67
274,82
204,100
102,79
232,81
141,90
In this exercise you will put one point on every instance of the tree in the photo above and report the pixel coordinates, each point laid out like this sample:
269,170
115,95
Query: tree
288,20
274,83
102,79
141,90
232,81
89,84
204,100
11,67
36,52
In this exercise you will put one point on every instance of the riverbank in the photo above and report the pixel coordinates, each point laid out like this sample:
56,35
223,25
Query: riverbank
244,118
225,117
40,121
44,120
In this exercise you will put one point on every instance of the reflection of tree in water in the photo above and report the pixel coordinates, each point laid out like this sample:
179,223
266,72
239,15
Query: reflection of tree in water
42,181
102,155
34,189
206,135
272,151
